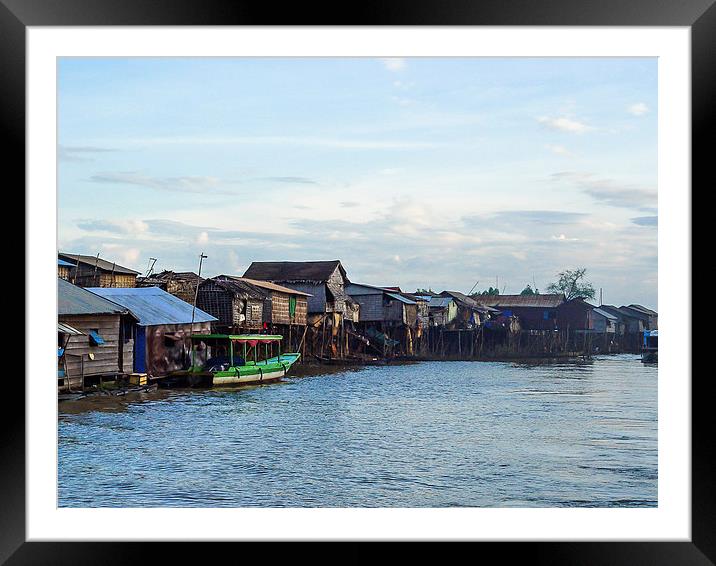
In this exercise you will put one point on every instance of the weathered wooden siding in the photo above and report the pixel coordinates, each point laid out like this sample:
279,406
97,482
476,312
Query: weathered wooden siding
337,284
317,302
106,356
371,307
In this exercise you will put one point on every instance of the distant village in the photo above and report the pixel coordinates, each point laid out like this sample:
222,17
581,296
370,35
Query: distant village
114,322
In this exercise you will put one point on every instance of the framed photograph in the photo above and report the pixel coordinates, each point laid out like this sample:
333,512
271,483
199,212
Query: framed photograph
397,278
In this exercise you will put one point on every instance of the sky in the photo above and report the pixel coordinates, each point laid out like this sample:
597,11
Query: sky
442,173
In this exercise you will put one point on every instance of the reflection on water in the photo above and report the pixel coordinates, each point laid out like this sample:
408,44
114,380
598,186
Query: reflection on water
433,434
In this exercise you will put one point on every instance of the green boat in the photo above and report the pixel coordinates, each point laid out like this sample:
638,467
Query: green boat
237,359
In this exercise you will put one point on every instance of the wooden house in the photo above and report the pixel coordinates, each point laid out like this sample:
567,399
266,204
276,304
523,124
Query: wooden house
92,271
575,315
181,284
604,322
627,322
242,303
470,312
63,269
163,328
442,310
378,304
95,337
649,318
324,281
535,312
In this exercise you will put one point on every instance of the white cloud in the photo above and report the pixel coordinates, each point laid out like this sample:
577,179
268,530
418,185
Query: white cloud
638,109
393,64
559,150
563,124
176,184
202,238
300,141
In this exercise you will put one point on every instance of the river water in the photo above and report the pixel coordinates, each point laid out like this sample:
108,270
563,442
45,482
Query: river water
430,434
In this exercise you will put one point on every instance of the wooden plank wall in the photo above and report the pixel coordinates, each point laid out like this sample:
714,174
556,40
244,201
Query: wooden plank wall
106,356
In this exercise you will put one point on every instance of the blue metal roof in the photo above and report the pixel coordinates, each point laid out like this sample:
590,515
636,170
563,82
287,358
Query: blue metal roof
64,263
152,305
440,302
401,298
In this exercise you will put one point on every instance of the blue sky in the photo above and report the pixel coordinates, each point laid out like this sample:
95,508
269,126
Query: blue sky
418,172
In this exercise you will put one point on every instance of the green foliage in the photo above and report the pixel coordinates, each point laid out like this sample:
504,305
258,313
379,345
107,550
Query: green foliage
529,291
571,283
487,292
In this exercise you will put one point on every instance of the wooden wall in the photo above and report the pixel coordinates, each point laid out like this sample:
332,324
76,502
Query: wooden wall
88,278
106,357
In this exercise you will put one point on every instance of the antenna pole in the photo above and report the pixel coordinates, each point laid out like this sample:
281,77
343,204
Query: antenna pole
202,257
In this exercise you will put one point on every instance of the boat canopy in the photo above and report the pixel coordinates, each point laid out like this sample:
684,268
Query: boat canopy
250,339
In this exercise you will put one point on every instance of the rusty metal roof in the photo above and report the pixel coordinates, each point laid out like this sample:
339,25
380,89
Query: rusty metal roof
547,300
152,305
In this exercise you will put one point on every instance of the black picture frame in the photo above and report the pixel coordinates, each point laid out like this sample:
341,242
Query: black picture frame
699,15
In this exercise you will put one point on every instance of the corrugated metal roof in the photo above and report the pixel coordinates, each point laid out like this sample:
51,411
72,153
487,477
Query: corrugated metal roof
152,305
102,264
547,300
358,289
643,309
74,300
401,298
67,329
605,314
440,302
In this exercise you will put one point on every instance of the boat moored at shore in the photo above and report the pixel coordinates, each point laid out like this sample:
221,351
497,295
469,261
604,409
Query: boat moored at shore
237,359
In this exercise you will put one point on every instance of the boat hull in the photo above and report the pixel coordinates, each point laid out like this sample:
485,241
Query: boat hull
250,374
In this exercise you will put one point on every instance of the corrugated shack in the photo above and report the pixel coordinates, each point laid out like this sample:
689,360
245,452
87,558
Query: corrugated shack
535,312
95,337
241,303
378,304
443,310
162,343
470,312
386,316
604,321
649,317
181,284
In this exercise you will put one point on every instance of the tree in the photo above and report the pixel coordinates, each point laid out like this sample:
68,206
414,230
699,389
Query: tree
487,292
571,283
528,291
